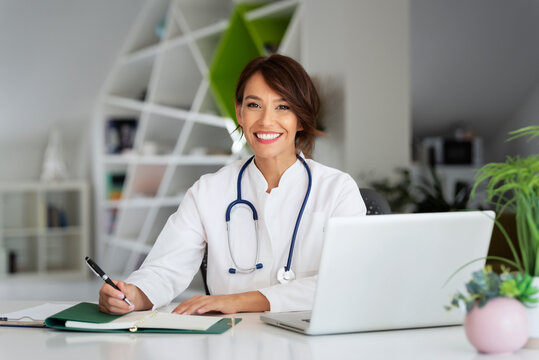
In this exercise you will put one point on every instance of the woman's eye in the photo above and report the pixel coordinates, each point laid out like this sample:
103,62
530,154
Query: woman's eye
253,105
283,107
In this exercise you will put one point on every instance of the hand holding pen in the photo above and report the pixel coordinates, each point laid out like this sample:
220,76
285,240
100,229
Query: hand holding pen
106,292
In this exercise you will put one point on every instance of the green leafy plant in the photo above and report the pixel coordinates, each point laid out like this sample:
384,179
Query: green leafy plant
397,193
487,285
513,186
426,196
433,199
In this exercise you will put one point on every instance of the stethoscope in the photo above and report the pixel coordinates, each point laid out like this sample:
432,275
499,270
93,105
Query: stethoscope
285,274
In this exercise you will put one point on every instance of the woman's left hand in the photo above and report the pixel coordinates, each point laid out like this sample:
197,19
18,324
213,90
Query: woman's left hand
226,304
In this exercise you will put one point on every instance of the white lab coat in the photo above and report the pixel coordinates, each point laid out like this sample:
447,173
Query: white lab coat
200,219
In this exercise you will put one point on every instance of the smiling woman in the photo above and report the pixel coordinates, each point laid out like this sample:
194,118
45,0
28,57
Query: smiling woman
270,128
276,107
289,82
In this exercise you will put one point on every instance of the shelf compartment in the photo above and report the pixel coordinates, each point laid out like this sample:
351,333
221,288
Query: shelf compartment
130,244
146,34
277,9
159,222
132,79
186,175
130,222
202,13
162,133
110,217
146,53
116,255
115,181
117,109
146,179
269,30
38,211
22,254
206,45
21,232
177,88
210,30
173,28
20,209
26,232
209,104
291,44
63,209
208,140
141,203
63,253
130,107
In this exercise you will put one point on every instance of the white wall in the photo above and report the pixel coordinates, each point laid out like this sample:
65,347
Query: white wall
22,158
473,63
363,45
55,56
526,115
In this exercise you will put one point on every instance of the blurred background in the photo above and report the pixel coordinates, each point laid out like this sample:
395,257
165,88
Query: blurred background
110,110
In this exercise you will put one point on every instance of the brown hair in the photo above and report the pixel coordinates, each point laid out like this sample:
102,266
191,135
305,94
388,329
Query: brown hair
290,80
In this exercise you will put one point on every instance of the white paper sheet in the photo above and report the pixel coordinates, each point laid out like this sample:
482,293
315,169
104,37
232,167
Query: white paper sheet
151,319
36,313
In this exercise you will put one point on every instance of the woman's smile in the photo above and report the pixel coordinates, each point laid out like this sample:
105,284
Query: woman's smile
267,137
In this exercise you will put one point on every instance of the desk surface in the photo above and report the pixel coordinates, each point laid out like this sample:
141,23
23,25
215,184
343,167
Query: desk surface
251,339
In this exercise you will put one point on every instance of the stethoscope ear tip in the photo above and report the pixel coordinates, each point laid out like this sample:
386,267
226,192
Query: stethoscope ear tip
232,271
259,266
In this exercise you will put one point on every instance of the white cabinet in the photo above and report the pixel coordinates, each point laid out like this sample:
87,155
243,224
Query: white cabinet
43,229
158,127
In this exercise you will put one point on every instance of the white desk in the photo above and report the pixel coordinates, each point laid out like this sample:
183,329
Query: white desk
251,339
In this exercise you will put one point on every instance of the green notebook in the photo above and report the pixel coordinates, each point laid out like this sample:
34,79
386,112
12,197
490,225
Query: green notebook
87,317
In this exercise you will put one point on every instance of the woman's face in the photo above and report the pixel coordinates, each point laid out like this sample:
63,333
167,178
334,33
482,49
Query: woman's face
268,123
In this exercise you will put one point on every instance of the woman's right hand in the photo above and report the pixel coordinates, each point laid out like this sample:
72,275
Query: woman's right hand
111,300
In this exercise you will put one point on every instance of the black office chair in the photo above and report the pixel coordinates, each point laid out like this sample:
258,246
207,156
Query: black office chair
204,270
376,205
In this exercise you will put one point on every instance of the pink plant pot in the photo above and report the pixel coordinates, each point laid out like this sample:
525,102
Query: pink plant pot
501,326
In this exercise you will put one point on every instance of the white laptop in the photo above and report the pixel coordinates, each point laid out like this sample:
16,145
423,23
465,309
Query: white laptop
388,272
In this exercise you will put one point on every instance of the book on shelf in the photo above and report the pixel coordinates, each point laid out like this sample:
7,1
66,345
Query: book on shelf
115,184
56,217
111,220
120,135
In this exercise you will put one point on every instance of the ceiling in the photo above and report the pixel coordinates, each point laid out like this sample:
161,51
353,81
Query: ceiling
473,62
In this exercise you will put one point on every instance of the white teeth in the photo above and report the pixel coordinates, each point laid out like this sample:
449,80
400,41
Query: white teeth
267,136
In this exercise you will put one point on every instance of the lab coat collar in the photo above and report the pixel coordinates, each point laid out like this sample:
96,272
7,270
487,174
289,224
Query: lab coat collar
257,178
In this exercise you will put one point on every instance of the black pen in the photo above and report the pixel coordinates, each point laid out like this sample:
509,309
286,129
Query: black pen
97,270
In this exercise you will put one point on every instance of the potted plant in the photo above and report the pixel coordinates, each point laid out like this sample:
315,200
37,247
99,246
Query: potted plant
496,319
513,187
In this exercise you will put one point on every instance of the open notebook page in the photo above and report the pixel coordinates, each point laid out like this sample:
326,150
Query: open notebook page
151,320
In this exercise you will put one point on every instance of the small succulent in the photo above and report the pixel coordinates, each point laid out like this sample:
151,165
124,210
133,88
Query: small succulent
486,285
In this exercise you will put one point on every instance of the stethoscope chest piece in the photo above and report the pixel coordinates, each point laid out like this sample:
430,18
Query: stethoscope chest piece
285,276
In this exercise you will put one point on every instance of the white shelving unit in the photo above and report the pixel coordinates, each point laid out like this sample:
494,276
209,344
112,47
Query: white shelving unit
43,230
162,84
